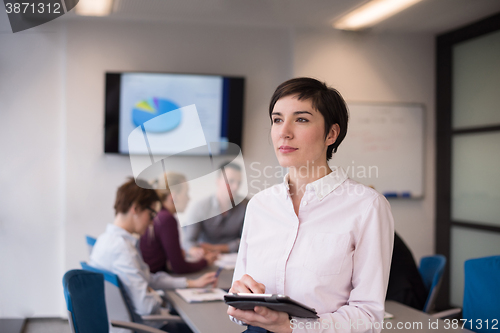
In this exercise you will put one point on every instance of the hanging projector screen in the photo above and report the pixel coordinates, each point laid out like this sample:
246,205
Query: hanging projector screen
133,98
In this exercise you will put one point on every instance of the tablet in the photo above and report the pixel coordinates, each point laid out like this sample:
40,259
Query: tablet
244,301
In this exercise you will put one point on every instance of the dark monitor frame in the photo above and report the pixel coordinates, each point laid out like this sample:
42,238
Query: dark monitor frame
233,108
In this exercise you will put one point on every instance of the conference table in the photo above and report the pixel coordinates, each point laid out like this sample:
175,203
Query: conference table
211,317
411,320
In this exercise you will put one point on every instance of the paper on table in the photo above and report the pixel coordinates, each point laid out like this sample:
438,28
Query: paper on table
227,260
388,315
197,295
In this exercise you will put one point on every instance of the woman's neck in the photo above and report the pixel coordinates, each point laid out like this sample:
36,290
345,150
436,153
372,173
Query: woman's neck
169,205
298,178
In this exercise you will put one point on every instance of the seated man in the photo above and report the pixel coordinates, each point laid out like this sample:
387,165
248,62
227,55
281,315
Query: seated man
222,232
116,250
405,283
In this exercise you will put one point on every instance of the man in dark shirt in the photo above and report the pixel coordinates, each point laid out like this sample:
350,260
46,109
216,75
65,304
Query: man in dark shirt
222,232
405,283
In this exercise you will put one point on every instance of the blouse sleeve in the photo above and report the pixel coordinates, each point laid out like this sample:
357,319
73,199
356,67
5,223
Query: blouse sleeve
241,262
364,311
168,235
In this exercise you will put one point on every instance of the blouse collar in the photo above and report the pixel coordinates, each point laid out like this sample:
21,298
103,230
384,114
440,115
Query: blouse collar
323,186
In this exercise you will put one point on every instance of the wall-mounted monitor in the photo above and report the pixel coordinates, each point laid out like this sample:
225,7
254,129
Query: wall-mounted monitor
133,98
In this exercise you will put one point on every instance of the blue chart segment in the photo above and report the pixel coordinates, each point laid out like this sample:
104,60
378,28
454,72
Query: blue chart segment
150,108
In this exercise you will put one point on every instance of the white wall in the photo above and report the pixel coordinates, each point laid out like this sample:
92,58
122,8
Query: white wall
56,185
31,113
381,68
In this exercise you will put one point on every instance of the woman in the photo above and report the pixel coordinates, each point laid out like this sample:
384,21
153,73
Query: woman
319,237
116,250
160,245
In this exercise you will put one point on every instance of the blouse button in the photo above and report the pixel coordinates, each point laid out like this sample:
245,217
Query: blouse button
304,203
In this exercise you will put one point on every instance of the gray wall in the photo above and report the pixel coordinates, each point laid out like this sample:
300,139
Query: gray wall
32,172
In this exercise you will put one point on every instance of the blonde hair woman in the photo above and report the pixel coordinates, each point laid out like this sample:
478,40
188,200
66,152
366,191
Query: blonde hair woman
160,245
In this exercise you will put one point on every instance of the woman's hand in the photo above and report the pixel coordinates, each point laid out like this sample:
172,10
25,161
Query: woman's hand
203,281
271,320
222,248
247,285
196,253
210,257
260,316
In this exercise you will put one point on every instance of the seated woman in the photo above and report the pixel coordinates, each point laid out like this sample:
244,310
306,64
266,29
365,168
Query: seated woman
160,245
116,251
319,237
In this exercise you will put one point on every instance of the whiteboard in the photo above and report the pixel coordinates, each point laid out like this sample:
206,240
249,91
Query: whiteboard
384,148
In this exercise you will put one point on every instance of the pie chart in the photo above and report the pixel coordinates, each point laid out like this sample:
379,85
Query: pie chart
149,109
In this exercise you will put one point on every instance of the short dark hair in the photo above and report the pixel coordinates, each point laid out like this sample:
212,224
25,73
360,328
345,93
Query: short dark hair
326,100
134,192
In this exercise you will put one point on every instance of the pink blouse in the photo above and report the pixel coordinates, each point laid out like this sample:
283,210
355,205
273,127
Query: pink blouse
334,257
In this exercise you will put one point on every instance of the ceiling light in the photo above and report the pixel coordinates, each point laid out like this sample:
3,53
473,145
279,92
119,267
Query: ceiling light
371,13
94,7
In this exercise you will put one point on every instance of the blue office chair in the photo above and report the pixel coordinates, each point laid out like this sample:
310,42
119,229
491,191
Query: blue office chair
431,269
84,294
482,294
119,306
90,242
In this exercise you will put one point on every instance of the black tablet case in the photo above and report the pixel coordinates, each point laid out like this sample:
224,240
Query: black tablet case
275,302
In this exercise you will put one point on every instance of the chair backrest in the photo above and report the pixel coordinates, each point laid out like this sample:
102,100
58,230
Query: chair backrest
118,304
90,242
482,294
431,270
84,294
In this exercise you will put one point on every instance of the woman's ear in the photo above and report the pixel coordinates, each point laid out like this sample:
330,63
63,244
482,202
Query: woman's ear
333,134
